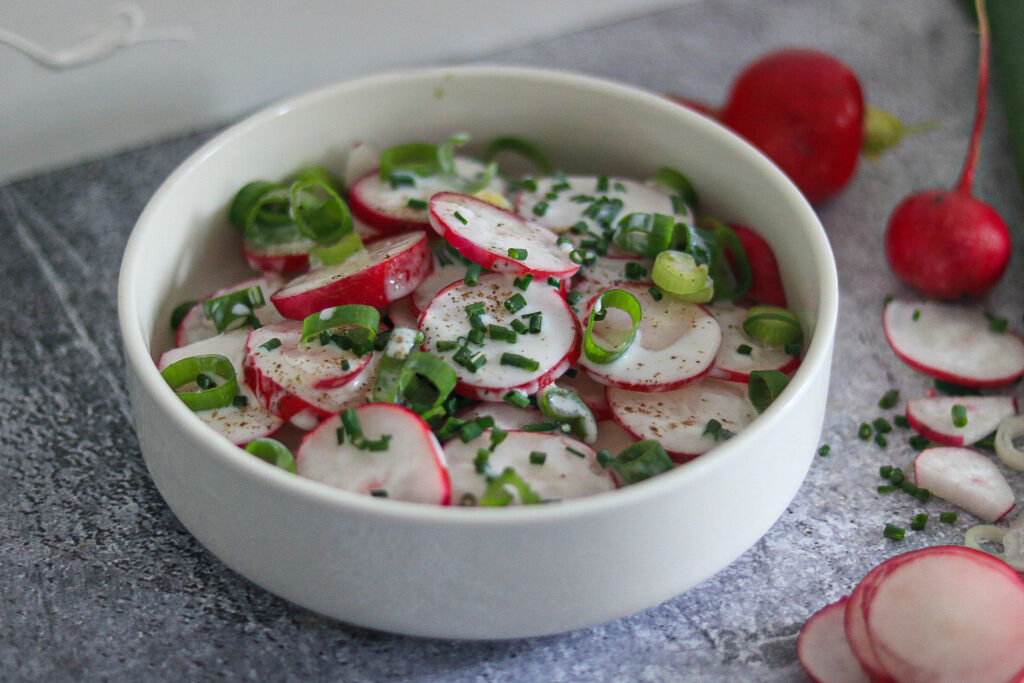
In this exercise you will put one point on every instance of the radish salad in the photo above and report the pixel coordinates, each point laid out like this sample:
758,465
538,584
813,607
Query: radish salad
426,328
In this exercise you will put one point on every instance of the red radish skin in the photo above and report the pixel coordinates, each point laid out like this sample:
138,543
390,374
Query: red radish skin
947,244
412,468
386,270
484,233
932,417
283,258
823,650
805,110
947,613
856,628
765,278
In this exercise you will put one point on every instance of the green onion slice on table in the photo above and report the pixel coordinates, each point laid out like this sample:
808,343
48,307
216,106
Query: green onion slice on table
197,370
623,301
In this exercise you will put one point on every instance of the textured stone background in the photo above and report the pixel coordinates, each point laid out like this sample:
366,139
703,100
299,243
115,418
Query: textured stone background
98,580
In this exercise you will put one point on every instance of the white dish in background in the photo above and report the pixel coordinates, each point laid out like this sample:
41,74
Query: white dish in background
469,572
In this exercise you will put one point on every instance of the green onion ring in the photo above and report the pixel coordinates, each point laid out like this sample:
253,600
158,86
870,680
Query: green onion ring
348,315
180,311
333,254
446,154
187,370
772,325
641,460
435,371
419,158
677,273
274,452
611,298
246,198
645,233
678,183
319,212
565,406
521,147
764,386
497,493
234,306
726,239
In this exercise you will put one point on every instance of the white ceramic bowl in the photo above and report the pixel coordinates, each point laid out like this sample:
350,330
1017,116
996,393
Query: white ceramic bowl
464,572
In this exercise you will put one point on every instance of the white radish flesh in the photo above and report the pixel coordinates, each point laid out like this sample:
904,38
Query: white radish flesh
505,415
606,273
295,363
563,212
412,467
362,159
947,613
590,392
555,348
675,344
488,235
290,257
564,473
823,650
195,326
612,437
965,478
449,267
386,209
739,355
932,417
386,270
678,419
952,343
239,424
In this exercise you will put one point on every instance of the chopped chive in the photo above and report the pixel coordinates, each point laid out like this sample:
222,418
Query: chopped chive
523,281
918,442
909,487
414,203
824,450
473,271
894,532
180,311
716,431
470,430
947,517
897,476
540,208
271,344
446,345
576,256
923,495
535,321
205,381
476,321
538,457
951,389
240,401
602,183
900,421
635,271
571,372
345,365
655,292
864,431
540,427
517,361
501,333
997,324
885,471
889,399
573,298
475,308
517,398
460,218
481,461
916,315
919,522
515,303
475,336
604,457
887,488
554,282
380,444
744,349
519,326
881,425
476,361
959,415
880,440
517,253
380,493
339,435
578,454
793,348
497,436
350,421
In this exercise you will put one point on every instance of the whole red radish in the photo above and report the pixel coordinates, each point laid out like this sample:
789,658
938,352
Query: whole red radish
948,244
805,110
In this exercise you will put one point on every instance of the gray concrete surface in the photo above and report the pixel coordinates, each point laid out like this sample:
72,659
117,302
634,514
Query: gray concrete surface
98,580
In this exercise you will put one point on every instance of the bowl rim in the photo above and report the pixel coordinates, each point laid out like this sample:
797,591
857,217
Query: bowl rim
817,356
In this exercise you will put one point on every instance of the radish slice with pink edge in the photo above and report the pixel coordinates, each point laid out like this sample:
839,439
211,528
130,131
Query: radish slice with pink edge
569,468
195,326
302,387
612,437
448,266
823,650
606,272
739,355
411,467
966,478
590,392
565,209
952,343
947,613
856,628
289,257
387,209
401,313
932,417
679,419
386,270
555,348
497,239
506,416
675,344
239,424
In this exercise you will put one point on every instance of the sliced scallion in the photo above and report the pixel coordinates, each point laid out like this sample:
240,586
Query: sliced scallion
365,319
563,405
639,461
772,325
764,386
234,309
679,184
272,451
623,301
187,371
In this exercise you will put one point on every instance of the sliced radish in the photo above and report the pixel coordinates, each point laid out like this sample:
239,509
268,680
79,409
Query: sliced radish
386,209
575,196
952,343
675,345
612,437
608,272
195,326
555,348
856,627
570,468
362,159
739,355
765,278
591,392
506,416
679,419
240,424
290,257
489,236
966,478
448,267
401,313
304,388
932,417
823,650
385,270
947,613
411,468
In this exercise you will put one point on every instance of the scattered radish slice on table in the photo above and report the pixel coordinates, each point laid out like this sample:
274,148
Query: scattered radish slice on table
823,650
933,417
497,239
952,343
244,420
529,364
386,270
965,477
392,454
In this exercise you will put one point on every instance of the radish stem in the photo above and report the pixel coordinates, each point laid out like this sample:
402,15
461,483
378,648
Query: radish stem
966,180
